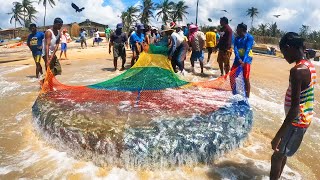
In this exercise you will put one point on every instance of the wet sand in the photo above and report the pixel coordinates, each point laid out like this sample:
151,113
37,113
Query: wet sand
30,156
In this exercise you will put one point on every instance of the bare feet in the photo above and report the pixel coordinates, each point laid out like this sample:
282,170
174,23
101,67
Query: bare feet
122,69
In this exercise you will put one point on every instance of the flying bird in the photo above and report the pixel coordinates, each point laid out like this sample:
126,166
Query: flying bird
76,7
277,16
224,10
209,19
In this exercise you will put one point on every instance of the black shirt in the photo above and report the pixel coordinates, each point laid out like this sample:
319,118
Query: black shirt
118,37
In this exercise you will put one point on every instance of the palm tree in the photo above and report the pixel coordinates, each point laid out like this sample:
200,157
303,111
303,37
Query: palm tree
273,30
179,11
263,29
123,17
132,15
45,2
165,8
147,8
17,15
26,5
252,12
304,30
31,16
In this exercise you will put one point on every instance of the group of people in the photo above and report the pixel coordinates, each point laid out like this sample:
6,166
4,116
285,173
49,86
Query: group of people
45,45
299,98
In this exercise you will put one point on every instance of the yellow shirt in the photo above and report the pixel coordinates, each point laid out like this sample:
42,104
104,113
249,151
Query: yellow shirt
211,40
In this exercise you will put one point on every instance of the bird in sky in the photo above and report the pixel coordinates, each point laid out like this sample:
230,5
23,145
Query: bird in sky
277,16
77,8
224,10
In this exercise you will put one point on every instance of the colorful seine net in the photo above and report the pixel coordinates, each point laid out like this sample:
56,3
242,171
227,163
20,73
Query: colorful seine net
147,115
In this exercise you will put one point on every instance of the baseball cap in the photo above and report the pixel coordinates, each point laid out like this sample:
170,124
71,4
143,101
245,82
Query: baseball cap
140,26
119,26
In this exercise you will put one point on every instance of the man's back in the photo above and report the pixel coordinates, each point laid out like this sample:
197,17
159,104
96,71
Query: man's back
211,39
198,41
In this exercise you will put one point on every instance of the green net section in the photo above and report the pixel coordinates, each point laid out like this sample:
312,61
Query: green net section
153,49
142,78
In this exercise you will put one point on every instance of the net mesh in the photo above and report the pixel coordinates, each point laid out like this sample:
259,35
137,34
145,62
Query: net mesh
151,81
147,114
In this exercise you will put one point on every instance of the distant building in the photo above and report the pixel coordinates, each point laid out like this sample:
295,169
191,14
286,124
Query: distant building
23,32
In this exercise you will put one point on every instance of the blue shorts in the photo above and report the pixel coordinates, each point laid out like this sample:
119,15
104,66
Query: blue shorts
291,141
63,46
197,55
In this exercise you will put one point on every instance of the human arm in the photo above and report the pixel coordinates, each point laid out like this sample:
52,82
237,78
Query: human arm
236,52
249,45
48,38
173,46
203,38
111,43
296,79
28,42
126,40
55,48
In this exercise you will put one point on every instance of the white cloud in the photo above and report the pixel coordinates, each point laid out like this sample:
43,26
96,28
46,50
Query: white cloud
93,11
294,13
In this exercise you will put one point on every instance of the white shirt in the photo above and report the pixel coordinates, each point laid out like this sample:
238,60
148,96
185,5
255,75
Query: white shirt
53,43
97,34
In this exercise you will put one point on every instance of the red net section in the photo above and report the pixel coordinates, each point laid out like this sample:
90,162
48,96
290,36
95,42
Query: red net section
188,98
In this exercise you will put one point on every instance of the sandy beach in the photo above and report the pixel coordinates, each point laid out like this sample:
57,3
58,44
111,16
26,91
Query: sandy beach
25,154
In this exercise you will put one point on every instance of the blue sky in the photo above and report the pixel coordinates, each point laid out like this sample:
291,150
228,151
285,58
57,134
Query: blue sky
294,13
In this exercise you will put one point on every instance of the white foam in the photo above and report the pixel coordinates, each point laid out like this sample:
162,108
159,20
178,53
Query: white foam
7,87
265,105
19,116
122,174
316,63
5,170
12,69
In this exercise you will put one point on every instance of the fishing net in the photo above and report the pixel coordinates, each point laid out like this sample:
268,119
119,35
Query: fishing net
147,115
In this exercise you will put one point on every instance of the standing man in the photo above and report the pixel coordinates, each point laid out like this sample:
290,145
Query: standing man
211,41
118,39
136,40
176,51
224,46
34,43
243,55
96,37
179,30
299,102
107,31
83,37
197,41
65,38
51,45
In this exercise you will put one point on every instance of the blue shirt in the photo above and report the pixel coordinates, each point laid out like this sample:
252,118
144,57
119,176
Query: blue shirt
186,32
136,38
243,49
35,43
217,36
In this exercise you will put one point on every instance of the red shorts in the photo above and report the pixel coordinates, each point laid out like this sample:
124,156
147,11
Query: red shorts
246,70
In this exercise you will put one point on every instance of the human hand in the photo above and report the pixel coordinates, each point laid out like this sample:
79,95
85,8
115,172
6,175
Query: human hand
275,143
241,62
